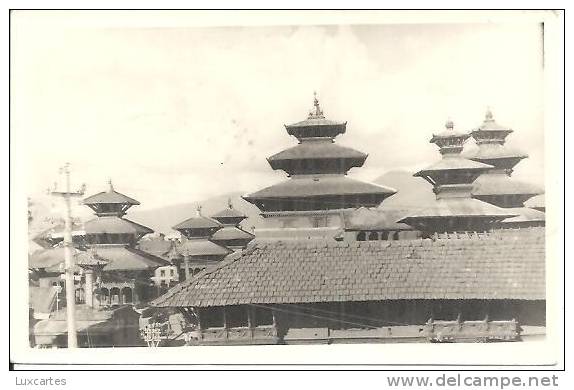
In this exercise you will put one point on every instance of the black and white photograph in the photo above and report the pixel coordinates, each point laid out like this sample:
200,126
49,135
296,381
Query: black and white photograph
297,181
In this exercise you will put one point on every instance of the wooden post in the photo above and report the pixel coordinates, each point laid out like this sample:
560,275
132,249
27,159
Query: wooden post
69,260
250,319
225,322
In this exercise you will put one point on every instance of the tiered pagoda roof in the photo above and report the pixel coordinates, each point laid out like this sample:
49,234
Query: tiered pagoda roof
110,202
317,169
496,186
109,227
112,238
452,178
231,235
197,232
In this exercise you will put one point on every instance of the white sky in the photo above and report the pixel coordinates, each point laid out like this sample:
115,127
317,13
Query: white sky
185,113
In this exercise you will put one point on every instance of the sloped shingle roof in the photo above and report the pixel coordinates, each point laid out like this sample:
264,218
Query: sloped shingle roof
320,186
231,233
317,150
491,267
114,225
110,197
502,184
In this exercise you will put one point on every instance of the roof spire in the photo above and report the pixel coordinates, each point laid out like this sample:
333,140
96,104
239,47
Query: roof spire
229,204
449,124
198,210
111,186
316,112
488,117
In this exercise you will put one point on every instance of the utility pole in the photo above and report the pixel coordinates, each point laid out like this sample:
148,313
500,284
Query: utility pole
69,260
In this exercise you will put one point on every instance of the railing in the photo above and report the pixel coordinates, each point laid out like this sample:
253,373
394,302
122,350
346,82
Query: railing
243,334
481,331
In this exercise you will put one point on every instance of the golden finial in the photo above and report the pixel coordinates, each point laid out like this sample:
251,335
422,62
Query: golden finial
316,112
198,210
111,186
229,204
449,124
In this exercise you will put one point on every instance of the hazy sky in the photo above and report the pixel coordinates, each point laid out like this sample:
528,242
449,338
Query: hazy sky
181,114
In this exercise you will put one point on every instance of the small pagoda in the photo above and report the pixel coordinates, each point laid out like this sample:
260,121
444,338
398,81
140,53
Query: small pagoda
318,189
231,235
196,250
496,186
127,276
452,179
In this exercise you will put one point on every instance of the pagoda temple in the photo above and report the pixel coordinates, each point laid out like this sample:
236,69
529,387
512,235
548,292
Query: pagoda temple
126,272
452,178
231,235
318,189
196,249
496,186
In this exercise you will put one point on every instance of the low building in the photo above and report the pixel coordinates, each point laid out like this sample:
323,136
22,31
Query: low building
451,287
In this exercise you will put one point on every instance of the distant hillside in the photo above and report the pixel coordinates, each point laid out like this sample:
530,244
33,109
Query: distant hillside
163,218
413,192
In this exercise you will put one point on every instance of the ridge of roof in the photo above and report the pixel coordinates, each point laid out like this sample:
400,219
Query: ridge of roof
376,270
198,222
109,197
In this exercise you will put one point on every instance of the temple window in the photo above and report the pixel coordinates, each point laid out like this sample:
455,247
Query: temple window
162,273
212,317
384,236
361,236
236,317
395,236
373,236
262,316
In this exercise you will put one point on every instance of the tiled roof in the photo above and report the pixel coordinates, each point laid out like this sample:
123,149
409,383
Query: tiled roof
311,122
491,267
317,149
502,184
48,258
320,185
231,233
201,247
375,219
110,197
525,214
452,164
493,152
89,259
229,213
125,258
316,127
156,246
459,207
198,222
114,225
